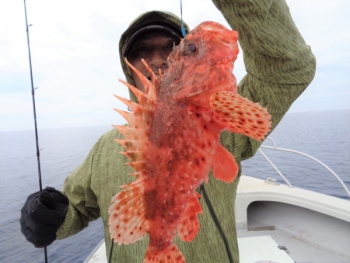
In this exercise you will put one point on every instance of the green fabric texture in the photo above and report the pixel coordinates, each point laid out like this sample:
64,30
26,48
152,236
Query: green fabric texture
280,66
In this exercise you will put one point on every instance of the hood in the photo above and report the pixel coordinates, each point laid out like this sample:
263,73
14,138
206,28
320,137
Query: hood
149,18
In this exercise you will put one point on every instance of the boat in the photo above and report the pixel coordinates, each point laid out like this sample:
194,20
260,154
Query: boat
279,223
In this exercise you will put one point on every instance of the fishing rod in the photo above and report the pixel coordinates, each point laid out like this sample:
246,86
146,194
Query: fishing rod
34,111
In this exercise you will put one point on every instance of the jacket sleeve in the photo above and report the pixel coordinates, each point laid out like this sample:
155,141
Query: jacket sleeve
279,64
83,206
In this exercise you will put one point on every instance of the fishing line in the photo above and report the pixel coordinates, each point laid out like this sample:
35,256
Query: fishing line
110,252
216,221
183,30
34,111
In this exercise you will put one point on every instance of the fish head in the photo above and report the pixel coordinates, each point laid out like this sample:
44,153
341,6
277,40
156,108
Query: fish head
202,63
209,42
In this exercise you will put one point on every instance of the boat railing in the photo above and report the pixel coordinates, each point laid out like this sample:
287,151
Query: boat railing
274,147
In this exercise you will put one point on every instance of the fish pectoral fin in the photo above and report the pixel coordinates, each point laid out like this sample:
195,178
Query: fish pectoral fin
171,254
225,167
127,222
240,115
189,223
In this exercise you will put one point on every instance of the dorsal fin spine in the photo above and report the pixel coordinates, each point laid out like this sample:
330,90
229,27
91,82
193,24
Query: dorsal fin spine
142,98
132,145
135,121
136,108
136,134
138,166
154,88
135,156
131,133
143,79
151,88
155,81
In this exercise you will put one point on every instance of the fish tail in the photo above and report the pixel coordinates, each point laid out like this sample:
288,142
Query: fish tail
171,255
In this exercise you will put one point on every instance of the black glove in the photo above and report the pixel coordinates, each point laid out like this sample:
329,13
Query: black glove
42,215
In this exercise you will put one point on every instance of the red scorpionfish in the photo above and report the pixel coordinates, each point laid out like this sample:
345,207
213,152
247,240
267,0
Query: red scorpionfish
172,141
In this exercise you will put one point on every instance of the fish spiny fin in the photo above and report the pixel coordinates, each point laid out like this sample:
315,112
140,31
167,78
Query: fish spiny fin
225,167
139,167
154,78
134,120
136,108
135,144
134,156
132,133
127,222
142,98
151,88
137,132
189,224
132,145
240,115
171,254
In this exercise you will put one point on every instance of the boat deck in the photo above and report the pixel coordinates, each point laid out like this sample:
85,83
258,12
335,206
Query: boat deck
308,227
281,224
282,249
261,249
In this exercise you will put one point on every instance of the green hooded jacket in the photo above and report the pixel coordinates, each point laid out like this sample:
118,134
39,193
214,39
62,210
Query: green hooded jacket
279,67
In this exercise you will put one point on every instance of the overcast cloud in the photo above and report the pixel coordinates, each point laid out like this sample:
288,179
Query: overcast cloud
75,59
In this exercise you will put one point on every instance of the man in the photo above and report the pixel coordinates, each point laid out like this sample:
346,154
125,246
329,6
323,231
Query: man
280,66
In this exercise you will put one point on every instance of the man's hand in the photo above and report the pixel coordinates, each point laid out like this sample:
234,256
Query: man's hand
42,215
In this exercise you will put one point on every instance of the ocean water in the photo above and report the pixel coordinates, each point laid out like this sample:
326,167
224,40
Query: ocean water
324,135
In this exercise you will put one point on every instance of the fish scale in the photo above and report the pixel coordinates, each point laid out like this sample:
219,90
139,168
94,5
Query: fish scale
172,141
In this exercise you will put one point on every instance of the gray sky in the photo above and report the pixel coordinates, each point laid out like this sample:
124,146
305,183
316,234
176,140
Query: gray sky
75,59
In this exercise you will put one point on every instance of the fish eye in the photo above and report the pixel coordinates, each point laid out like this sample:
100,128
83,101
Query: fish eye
192,47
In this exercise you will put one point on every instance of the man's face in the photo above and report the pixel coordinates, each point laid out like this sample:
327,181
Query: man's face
154,47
